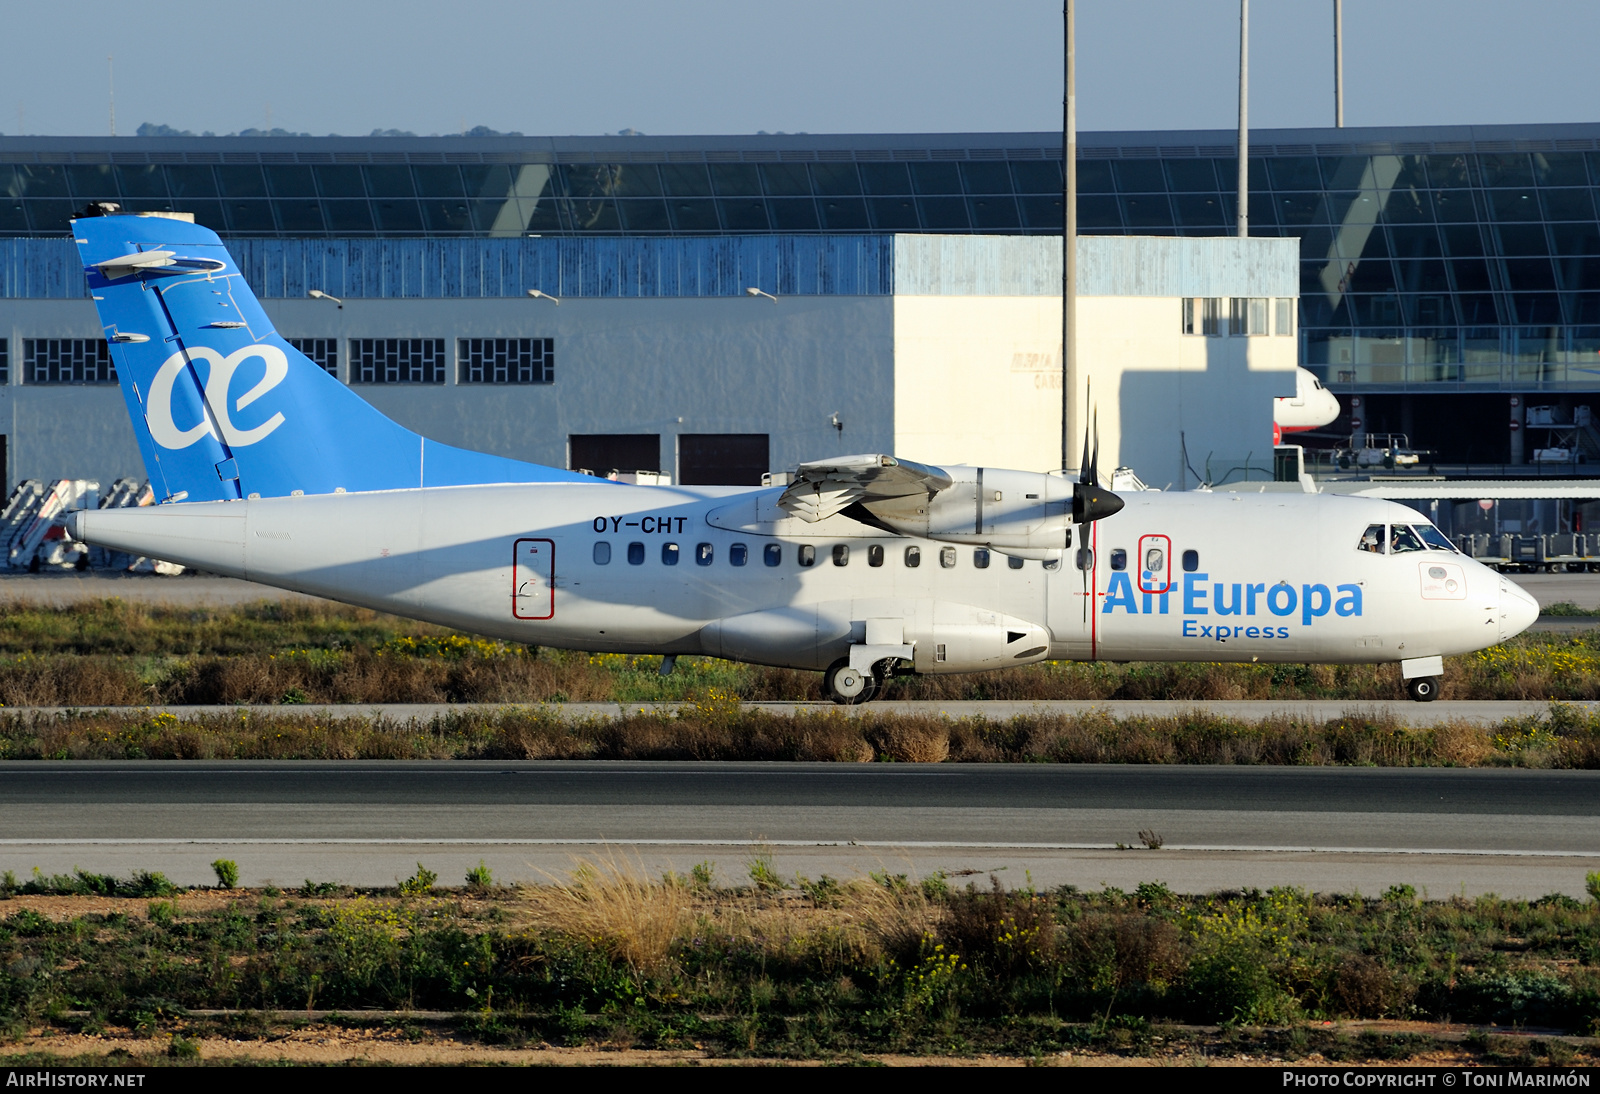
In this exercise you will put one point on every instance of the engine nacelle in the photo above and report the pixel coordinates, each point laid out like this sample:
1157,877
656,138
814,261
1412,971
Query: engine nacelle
935,636
988,506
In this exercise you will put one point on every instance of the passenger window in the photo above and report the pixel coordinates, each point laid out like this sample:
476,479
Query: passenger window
738,554
703,554
772,554
808,555
1372,540
1191,561
1014,562
602,553
1402,539
947,557
980,558
1119,559
669,554
841,555
1052,564
913,557
1085,558
875,555
635,554
1155,560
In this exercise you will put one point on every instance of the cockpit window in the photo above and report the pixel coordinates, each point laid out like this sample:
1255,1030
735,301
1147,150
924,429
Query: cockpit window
1402,539
1433,537
1372,539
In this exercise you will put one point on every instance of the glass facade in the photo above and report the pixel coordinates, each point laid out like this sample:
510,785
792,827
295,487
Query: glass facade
1457,255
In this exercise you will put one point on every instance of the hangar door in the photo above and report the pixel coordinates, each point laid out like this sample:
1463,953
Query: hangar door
603,453
722,459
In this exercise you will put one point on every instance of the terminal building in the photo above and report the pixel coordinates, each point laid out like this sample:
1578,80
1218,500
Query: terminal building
1445,284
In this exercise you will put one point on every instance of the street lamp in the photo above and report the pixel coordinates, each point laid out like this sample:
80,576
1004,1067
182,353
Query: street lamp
753,291
318,294
537,295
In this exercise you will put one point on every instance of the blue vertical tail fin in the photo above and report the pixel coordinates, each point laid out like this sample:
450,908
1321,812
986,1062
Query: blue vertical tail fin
223,406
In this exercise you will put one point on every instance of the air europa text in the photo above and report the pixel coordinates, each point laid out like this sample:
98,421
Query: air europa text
1240,598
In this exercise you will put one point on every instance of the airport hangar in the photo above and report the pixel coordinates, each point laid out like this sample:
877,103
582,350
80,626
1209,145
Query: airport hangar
1445,279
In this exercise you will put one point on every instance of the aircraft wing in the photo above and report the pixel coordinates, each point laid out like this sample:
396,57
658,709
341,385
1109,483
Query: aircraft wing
823,488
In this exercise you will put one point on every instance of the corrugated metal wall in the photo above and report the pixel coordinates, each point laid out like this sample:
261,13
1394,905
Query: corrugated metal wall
928,265
845,265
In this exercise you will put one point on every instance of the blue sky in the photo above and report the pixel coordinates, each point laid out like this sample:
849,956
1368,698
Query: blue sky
716,66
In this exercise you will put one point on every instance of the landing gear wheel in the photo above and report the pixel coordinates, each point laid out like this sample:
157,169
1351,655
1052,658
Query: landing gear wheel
1424,689
847,686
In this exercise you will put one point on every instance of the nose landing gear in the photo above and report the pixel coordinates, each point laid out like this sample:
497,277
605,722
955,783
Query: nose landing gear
1424,689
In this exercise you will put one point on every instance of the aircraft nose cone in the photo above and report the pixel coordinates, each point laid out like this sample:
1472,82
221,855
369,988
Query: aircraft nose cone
1091,502
1518,610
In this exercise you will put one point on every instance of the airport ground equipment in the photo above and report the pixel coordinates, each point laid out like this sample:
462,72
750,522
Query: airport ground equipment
1569,552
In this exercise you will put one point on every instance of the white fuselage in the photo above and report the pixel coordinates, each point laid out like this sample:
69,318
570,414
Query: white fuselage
1275,577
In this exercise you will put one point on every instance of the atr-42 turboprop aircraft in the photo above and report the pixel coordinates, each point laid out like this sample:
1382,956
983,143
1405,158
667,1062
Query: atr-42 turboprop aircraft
269,469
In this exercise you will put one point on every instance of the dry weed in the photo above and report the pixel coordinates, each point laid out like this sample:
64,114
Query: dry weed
610,904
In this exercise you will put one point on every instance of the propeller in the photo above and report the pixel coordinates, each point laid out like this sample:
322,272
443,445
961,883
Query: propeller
1090,500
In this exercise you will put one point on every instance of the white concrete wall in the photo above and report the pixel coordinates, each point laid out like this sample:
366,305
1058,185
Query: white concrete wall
1160,391
977,380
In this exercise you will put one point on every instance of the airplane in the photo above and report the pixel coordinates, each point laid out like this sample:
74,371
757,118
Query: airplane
1312,406
863,568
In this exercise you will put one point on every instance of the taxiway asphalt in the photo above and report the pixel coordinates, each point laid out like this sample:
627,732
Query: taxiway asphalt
1515,832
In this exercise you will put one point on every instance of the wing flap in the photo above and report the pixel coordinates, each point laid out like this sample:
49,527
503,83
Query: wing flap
824,488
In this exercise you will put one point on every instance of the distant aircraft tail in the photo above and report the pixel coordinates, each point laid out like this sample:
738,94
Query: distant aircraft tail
222,406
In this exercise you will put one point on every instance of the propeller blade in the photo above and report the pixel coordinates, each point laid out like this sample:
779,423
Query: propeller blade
1094,461
1083,464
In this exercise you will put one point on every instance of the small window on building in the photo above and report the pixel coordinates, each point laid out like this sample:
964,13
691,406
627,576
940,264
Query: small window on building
397,360
808,555
602,553
875,555
5,360
67,361
669,554
913,557
1247,315
704,554
738,554
841,555
772,554
1085,558
1191,561
1211,315
1285,318
947,557
505,360
1371,540
323,352
1014,562
635,554
1119,559
980,558
1189,316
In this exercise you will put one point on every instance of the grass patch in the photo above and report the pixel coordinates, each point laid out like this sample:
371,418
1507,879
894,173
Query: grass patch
1564,736
611,958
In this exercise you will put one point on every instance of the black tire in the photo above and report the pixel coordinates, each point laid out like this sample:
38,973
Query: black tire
1424,689
846,686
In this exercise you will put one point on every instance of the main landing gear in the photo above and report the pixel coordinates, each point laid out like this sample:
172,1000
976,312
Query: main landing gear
847,686
1424,689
